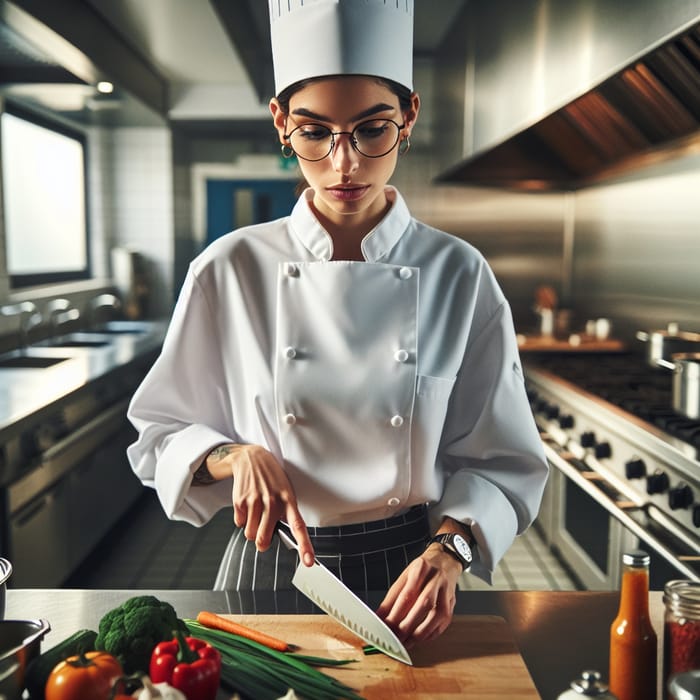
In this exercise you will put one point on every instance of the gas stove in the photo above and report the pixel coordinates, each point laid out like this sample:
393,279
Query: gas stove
627,381
608,427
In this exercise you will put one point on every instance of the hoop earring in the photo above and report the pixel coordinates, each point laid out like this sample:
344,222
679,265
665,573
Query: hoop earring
404,146
287,150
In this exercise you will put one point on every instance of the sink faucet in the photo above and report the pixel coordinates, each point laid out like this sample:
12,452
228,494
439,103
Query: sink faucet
102,301
60,311
29,318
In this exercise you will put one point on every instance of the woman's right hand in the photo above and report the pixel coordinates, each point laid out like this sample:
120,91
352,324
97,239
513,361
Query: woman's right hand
262,495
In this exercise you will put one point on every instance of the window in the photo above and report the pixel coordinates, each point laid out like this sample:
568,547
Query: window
43,176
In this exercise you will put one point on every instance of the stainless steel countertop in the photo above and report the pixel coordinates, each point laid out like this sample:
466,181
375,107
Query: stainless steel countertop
24,392
559,633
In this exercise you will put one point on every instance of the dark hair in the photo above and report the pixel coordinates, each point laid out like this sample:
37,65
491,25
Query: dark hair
401,91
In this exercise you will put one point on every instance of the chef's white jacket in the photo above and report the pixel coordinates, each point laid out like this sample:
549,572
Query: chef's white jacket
377,384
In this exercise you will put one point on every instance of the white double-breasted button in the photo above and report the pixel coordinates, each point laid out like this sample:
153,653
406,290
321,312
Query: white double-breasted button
290,419
291,270
290,353
397,421
393,502
401,355
405,273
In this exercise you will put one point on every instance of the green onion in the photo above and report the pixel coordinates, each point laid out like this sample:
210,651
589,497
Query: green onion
260,673
321,660
371,649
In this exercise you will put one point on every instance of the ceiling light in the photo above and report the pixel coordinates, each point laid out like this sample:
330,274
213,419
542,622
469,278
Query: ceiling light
105,87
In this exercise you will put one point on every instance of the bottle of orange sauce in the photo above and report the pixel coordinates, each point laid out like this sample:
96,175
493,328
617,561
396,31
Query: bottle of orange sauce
633,648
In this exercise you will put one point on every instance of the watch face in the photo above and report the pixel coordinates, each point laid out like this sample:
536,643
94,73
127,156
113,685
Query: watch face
462,547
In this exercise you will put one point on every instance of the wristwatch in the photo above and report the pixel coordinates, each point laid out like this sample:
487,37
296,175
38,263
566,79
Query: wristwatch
457,546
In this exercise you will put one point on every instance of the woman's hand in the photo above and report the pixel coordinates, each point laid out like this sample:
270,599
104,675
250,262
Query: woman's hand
420,603
262,495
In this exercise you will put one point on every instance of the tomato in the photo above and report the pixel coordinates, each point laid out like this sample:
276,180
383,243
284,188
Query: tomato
86,677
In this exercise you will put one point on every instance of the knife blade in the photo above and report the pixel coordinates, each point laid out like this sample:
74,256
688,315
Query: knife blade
330,594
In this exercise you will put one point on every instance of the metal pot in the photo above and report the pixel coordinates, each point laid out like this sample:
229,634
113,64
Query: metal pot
5,573
686,382
20,643
662,345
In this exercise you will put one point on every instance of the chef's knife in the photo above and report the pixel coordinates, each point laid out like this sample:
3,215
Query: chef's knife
333,597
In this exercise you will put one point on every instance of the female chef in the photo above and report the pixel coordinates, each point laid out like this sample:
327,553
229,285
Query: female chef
346,369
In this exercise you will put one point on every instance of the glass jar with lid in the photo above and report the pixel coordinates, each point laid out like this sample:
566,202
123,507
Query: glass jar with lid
681,628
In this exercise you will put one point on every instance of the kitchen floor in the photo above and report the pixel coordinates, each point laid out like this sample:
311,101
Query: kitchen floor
148,551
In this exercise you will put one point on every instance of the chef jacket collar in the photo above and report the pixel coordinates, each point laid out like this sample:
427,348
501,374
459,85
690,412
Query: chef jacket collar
375,245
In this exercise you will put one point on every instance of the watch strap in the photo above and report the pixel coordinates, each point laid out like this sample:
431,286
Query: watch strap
445,539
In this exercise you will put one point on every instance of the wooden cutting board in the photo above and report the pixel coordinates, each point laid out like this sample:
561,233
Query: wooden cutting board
476,657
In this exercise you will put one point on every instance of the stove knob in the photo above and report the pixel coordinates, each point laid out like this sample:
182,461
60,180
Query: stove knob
552,411
680,497
566,421
635,469
29,445
657,483
602,450
588,439
540,405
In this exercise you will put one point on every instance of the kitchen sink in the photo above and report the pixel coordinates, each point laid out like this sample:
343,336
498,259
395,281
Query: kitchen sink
123,327
29,362
81,344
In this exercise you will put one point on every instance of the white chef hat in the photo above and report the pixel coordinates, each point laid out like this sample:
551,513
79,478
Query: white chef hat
313,38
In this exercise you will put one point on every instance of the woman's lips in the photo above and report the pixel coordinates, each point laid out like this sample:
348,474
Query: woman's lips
348,194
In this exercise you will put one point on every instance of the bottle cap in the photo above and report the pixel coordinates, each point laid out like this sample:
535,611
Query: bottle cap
636,558
683,597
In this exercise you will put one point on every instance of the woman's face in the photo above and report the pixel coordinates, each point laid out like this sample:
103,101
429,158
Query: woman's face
348,187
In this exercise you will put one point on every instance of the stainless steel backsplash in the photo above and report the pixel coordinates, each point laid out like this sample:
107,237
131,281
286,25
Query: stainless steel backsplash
628,251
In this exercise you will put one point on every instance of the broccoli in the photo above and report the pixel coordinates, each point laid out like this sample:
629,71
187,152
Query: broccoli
131,631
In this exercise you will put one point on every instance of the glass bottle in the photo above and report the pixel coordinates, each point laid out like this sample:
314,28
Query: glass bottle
633,655
681,629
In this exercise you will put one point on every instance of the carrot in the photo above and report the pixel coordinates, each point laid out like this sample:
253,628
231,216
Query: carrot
216,622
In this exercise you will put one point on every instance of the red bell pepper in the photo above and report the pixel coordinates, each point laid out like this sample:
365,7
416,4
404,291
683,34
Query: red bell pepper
188,664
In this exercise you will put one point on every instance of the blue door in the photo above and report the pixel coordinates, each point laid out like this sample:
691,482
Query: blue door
235,203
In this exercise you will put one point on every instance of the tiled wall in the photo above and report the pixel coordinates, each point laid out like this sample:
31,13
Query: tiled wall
132,197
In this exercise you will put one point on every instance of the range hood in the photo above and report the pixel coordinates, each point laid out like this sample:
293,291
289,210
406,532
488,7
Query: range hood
645,112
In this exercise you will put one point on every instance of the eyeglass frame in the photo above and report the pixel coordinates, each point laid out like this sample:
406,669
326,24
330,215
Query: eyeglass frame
353,140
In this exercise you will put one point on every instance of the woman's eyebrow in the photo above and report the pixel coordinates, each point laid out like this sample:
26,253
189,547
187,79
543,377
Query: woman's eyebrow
381,107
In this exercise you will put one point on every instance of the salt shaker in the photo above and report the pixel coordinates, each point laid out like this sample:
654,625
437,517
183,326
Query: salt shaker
588,685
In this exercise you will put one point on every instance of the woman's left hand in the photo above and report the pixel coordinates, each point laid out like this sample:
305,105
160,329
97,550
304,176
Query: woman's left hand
420,603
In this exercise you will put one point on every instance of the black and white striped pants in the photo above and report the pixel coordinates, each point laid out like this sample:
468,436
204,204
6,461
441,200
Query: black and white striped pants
365,556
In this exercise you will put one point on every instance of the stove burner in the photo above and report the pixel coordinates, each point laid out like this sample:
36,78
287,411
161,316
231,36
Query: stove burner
625,380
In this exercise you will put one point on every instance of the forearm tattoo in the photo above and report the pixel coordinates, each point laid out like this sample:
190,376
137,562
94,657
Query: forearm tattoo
203,477
220,452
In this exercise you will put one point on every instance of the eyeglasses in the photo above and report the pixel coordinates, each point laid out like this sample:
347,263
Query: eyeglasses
373,139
